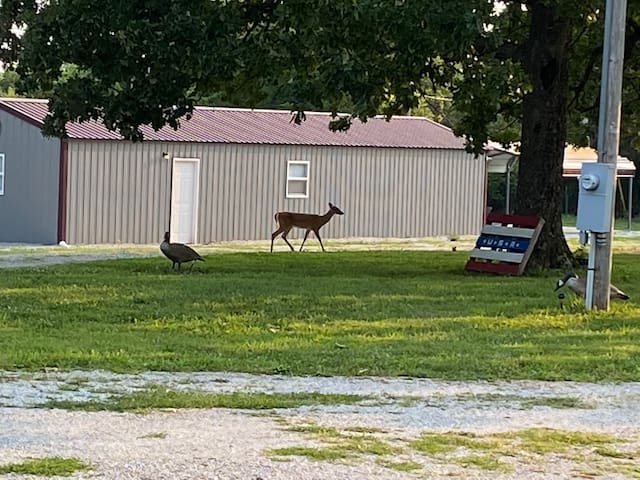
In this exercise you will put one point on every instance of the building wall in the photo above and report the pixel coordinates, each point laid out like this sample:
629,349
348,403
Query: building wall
118,192
29,206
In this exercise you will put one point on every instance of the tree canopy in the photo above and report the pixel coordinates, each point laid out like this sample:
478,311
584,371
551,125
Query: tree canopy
533,63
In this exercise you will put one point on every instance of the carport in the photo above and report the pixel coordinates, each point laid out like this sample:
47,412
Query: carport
502,161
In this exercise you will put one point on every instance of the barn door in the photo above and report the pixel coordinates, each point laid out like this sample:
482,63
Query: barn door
184,199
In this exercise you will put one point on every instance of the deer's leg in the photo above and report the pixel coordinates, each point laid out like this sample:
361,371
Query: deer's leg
275,234
284,237
306,234
319,239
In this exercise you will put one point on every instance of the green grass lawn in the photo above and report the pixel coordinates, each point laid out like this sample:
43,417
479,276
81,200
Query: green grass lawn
340,313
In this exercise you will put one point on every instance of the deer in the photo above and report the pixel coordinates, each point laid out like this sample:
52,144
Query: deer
288,220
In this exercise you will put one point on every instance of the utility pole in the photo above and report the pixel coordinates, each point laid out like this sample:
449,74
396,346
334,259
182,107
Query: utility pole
608,141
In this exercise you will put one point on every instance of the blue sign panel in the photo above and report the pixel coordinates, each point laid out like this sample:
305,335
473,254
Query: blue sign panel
513,244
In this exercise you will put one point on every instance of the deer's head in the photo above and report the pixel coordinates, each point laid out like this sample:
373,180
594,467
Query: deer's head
335,209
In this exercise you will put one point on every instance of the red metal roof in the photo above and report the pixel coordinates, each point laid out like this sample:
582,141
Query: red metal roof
236,125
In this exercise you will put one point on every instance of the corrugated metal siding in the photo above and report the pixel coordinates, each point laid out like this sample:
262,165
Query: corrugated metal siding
383,192
29,206
119,192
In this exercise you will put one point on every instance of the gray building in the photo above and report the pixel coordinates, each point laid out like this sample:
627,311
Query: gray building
225,172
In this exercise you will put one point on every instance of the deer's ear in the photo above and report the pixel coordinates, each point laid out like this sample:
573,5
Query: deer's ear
330,205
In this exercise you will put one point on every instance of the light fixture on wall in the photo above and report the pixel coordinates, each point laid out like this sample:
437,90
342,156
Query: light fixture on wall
166,155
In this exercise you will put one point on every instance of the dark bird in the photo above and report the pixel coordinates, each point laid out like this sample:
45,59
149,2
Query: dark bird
179,253
578,286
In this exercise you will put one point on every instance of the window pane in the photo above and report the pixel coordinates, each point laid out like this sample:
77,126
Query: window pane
297,187
298,170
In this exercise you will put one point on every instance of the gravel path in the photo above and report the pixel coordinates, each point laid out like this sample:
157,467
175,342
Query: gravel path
235,444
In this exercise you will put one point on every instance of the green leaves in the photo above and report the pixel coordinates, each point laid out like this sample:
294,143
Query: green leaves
150,61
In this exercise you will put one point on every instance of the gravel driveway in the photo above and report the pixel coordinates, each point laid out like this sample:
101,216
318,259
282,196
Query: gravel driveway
236,444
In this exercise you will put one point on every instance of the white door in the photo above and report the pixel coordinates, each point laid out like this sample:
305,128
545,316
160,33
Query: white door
184,199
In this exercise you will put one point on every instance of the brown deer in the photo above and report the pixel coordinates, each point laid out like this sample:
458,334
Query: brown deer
288,220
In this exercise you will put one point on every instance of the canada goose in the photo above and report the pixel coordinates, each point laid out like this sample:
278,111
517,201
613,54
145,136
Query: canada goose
288,220
179,253
578,286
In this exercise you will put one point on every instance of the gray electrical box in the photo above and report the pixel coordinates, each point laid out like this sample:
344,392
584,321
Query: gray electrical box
596,186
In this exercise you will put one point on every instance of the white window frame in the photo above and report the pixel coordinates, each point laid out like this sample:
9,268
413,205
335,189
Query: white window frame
290,178
2,167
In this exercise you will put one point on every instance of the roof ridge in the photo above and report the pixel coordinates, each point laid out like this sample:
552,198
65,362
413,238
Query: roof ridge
24,99
257,110
313,112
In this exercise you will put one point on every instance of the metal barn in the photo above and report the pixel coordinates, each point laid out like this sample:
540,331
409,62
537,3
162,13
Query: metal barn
225,172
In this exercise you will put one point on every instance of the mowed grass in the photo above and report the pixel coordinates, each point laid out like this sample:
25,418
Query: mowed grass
415,313
159,397
47,467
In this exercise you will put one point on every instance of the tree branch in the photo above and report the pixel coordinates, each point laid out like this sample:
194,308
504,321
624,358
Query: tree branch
577,91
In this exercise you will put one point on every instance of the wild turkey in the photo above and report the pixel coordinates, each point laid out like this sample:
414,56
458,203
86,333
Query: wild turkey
179,253
578,286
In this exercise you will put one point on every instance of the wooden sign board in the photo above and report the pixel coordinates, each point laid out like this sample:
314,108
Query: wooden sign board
505,244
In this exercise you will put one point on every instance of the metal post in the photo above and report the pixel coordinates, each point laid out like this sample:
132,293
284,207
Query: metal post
608,138
510,163
507,207
629,205
588,295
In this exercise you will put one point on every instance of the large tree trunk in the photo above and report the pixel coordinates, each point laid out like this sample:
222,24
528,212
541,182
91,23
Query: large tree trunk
544,121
